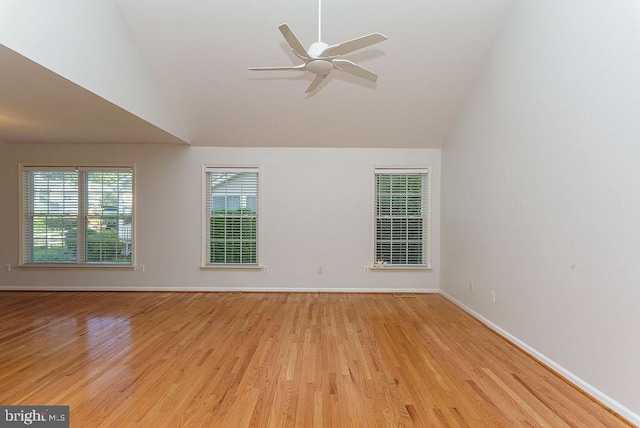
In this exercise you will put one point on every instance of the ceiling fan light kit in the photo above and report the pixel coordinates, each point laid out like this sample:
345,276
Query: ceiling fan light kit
321,58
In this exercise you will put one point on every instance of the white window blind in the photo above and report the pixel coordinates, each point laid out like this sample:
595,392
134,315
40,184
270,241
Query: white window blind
232,216
77,215
401,217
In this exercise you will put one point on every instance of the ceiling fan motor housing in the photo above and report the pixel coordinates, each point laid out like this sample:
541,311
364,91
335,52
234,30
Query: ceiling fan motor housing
319,67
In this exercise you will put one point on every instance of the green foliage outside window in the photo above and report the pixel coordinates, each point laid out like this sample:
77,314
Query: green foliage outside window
233,237
104,246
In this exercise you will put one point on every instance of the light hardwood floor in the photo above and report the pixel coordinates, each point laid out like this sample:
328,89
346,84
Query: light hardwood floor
273,359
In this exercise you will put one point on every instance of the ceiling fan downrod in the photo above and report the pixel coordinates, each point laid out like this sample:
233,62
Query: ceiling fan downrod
319,20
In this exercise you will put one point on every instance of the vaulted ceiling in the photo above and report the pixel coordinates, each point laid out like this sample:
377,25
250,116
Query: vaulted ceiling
170,71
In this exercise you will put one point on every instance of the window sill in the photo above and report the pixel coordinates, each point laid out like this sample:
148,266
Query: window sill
73,266
380,268
231,267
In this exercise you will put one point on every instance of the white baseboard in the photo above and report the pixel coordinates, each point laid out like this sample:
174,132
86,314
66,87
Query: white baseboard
223,289
598,395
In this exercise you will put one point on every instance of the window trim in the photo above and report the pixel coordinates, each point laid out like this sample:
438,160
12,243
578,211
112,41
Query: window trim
84,166
204,262
374,267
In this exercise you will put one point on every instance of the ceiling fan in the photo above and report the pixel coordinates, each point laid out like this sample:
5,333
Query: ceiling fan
321,58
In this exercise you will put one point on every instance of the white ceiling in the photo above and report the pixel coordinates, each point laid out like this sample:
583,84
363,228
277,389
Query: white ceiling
197,52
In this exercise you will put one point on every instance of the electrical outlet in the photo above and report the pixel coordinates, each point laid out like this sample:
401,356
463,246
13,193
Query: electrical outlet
141,268
8,268
366,269
493,296
320,270
265,269
470,285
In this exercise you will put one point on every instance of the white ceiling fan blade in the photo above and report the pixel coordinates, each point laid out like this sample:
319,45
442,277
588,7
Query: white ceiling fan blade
293,41
350,67
295,67
353,45
314,84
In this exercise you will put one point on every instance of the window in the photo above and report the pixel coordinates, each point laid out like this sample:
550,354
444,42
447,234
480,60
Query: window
77,215
231,216
401,217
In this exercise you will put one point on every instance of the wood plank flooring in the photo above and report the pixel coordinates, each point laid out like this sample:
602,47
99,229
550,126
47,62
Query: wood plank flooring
140,359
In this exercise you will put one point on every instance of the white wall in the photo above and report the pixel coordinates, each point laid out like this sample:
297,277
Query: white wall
88,43
316,207
541,192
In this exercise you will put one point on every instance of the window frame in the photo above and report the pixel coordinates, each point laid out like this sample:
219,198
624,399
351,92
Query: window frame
206,236
426,233
82,215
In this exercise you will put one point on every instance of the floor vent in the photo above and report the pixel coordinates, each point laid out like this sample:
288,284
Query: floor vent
403,295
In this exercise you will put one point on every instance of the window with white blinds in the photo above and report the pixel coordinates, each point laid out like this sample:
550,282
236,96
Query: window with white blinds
231,216
401,217
77,215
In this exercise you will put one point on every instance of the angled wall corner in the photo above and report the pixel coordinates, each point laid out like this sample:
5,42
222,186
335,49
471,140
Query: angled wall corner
89,44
